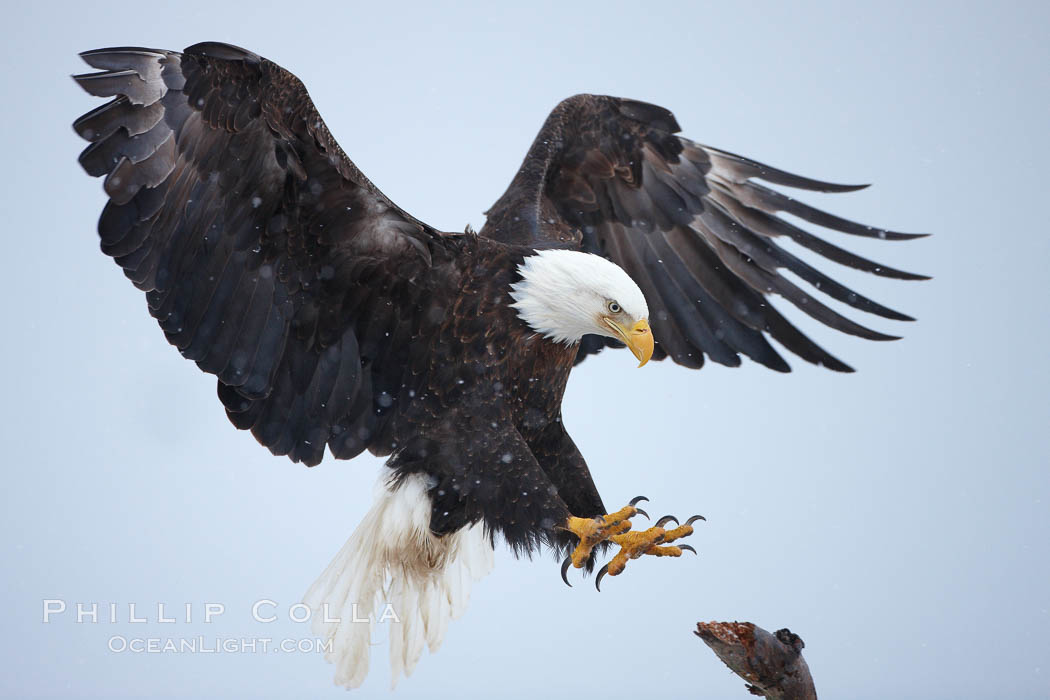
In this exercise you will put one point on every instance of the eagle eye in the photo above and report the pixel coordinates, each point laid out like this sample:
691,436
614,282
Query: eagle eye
614,307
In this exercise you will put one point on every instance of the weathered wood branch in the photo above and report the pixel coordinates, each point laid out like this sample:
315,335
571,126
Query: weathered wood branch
772,664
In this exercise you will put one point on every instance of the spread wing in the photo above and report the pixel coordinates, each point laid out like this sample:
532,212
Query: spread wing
692,227
266,256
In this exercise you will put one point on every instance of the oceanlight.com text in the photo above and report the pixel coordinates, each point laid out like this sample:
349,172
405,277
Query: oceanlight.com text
120,644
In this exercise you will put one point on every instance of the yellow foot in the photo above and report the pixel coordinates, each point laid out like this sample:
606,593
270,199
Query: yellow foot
591,531
616,528
655,541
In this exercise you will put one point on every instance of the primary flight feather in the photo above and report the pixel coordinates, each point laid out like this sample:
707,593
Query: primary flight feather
334,319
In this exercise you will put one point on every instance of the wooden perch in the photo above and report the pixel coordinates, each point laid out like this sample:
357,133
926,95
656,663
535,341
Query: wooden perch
772,664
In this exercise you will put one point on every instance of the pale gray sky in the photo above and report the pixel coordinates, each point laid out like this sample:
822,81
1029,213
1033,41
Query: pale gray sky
897,519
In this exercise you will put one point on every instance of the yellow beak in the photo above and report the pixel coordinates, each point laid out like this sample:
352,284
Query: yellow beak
639,338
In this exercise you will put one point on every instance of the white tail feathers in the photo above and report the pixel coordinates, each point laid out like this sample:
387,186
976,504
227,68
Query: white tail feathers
426,581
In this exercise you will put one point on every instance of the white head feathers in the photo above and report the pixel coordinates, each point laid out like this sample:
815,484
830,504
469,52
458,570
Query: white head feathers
564,293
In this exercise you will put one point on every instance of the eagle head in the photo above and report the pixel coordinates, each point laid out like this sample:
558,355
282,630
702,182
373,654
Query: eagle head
564,295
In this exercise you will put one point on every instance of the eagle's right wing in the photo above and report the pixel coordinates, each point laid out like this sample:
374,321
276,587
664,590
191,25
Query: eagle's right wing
267,257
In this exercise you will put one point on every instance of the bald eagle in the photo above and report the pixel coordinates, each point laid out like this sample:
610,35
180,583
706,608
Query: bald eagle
334,319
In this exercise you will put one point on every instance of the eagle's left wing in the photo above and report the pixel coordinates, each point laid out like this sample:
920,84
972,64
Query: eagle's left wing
691,226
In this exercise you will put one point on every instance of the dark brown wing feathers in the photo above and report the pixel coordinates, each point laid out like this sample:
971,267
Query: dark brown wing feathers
265,254
270,260
691,227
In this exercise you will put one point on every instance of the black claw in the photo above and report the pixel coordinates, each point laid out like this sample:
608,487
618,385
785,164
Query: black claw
684,548
642,512
601,574
693,519
637,499
666,519
565,571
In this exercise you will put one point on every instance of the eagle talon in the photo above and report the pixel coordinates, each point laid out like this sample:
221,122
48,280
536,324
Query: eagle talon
616,528
598,579
636,500
565,571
